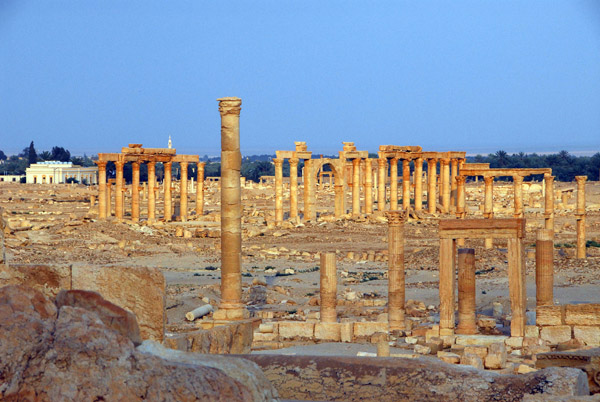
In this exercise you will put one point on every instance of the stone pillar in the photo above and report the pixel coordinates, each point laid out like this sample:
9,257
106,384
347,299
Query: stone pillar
394,184
488,208
405,184
328,288
518,190
544,268
381,174
466,292
183,184
231,307
135,191
447,284
119,191
445,172
151,194
431,178
396,281
580,214
200,189
418,184
279,190
293,188
339,200
549,202
101,189
310,211
108,199
368,187
460,196
355,187
453,182
92,201
168,186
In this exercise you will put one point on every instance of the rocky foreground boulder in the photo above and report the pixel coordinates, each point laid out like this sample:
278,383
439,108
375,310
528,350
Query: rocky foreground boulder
81,351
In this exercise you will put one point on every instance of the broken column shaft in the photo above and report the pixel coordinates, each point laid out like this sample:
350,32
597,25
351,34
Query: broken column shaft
396,280
549,202
544,268
328,288
580,214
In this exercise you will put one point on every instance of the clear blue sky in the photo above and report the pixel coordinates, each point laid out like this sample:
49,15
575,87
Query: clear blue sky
477,76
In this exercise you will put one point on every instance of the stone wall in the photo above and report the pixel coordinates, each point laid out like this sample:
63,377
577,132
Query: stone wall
559,324
137,289
233,337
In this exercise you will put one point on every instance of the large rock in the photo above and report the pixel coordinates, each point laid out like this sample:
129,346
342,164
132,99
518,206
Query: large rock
69,354
234,337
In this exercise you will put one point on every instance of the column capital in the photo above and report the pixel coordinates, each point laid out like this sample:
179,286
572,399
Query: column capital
580,179
445,161
294,161
518,179
382,161
356,161
395,217
488,179
200,165
461,179
229,105
101,164
183,163
278,162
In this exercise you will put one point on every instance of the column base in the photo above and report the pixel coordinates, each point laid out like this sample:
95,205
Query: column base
466,330
231,313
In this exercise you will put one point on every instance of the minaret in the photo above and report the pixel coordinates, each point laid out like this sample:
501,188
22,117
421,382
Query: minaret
170,145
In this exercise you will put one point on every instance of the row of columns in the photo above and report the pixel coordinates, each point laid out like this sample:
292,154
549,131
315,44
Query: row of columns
105,196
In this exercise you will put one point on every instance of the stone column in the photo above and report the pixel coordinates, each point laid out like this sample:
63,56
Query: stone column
339,200
549,202
368,187
396,281
183,184
447,285
119,191
518,184
381,172
405,184
355,187
101,189
151,194
580,214
200,189
328,288
460,196
466,292
445,171
168,186
544,268
418,184
135,191
108,198
453,182
488,208
231,307
394,184
310,210
431,178
279,190
293,188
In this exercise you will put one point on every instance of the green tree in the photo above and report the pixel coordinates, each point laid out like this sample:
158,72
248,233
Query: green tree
60,154
31,154
2,156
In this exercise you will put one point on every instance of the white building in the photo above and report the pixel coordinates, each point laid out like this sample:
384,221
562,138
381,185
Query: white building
11,178
59,172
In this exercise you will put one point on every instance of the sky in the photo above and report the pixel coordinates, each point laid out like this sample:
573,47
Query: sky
476,76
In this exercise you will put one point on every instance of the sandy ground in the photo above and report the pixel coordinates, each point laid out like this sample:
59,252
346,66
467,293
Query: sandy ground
54,224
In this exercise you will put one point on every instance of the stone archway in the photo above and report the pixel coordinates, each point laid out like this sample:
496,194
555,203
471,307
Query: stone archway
338,177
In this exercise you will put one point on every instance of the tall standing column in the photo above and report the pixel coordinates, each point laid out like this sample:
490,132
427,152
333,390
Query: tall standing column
310,207
355,187
293,188
200,189
544,268
518,190
135,191
453,182
405,184
394,184
168,186
183,191
460,196
279,190
231,307
431,179
119,191
396,280
339,200
328,288
368,187
151,194
418,184
101,189
580,214
445,171
447,284
381,171
466,292
488,206
108,198
549,202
